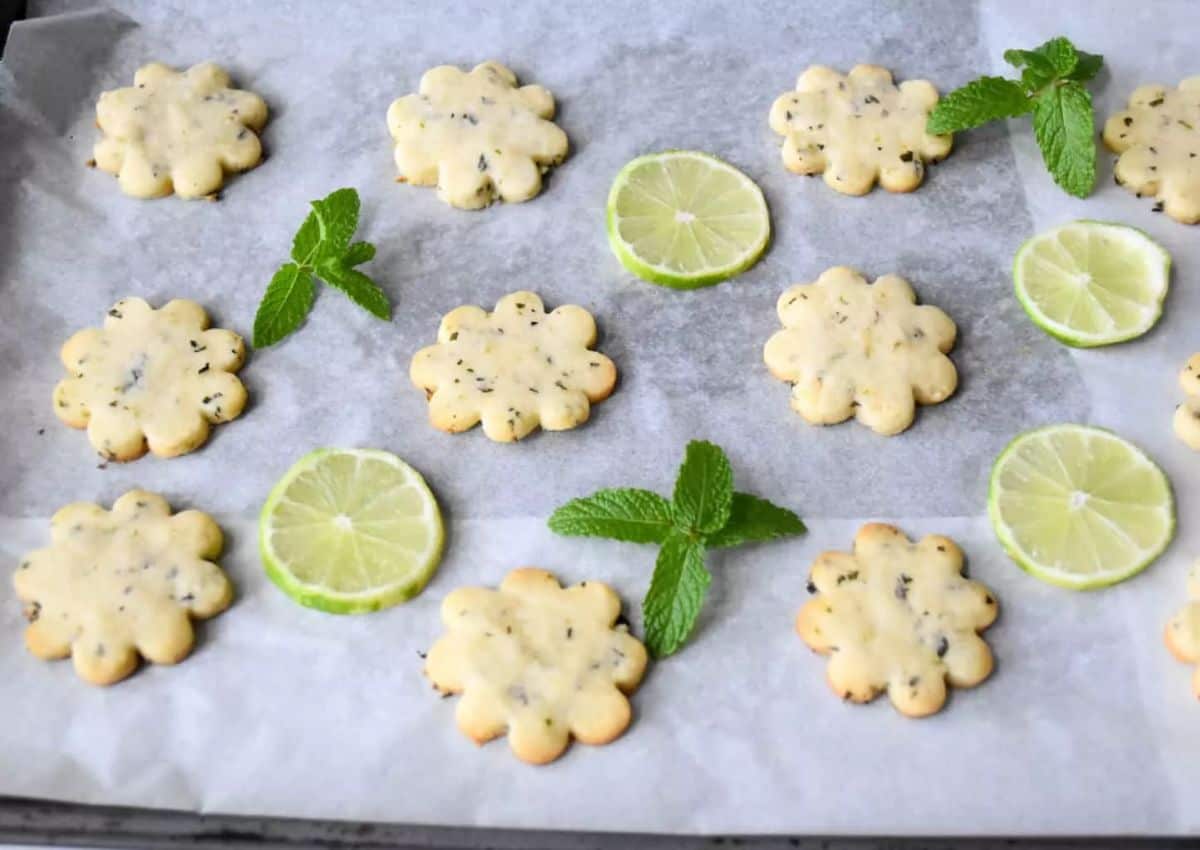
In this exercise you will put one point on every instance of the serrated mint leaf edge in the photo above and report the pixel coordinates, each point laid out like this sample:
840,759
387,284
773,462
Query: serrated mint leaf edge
284,306
649,516
676,595
357,287
337,214
703,488
992,98
1087,66
306,240
1064,126
358,253
742,528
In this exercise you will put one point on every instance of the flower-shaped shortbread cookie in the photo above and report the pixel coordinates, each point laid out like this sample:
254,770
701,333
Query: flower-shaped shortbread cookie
515,368
1183,631
1187,415
179,130
152,378
1158,139
476,135
117,584
898,616
537,660
850,348
858,129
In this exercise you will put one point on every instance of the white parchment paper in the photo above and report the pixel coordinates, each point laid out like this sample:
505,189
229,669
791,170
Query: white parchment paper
1087,725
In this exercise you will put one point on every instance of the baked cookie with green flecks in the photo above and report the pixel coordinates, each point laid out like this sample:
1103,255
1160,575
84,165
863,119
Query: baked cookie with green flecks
1183,631
1187,414
1158,139
537,661
150,379
858,128
117,585
867,350
178,131
897,616
476,135
514,369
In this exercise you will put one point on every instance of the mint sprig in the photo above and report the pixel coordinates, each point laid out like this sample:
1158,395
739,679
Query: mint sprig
705,512
1052,89
321,249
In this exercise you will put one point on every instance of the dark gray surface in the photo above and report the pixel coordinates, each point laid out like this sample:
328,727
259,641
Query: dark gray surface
62,825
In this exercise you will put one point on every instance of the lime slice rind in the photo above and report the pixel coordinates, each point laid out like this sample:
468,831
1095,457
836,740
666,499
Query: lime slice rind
666,228
1092,283
309,554
1101,550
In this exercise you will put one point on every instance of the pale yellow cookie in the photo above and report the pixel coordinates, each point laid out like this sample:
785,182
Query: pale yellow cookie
1183,631
537,661
117,584
515,368
850,348
898,616
156,378
178,131
477,135
1158,139
1187,414
859,128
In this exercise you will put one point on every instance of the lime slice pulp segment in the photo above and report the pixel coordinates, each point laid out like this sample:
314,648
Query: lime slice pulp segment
350,530
1090,283
1080,507
686,219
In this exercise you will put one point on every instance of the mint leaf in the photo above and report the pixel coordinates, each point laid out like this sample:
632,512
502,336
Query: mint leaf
361,289
704,488
676,594
1060,53
287,301
358,253
1052,78
752,520
304,245
337,215
635,516
978,102
1088,66
1036,70
1064,127
321,246
705,511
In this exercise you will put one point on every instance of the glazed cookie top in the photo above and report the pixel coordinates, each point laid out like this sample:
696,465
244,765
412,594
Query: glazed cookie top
514,368
113,584
1158,138
154,378
477,135
850,348
539,661
898,616
858,128
178,130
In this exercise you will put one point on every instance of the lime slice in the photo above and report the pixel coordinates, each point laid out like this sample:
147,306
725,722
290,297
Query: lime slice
1091,283
1079,507
350,530
686,219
